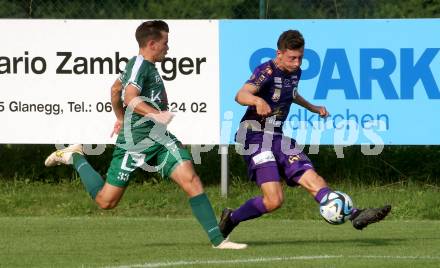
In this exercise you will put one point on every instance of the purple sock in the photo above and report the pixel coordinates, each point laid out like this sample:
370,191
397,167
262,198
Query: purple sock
321,193
253,208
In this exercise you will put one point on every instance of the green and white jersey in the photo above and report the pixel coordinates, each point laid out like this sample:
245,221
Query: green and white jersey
143,75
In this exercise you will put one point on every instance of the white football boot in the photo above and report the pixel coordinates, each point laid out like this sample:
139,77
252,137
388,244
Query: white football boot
63,156
226,244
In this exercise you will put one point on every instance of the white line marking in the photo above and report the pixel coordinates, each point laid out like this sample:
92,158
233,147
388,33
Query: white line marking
272,259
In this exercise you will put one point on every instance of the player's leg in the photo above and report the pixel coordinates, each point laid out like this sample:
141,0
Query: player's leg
73,155
273,197
360,218
109,196
178,166
314,184
123,164
104,194
299,170
267,177
185,176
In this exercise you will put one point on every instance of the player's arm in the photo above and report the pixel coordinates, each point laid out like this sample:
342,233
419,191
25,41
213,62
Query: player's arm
116,101
115,97
321,110
246,96
133,101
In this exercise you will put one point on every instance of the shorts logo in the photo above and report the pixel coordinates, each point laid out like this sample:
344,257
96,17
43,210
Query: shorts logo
136,160
263,157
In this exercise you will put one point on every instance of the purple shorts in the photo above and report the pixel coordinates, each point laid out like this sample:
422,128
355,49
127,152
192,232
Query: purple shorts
275,157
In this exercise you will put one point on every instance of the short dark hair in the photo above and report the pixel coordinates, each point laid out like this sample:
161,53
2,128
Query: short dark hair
290,39
150,30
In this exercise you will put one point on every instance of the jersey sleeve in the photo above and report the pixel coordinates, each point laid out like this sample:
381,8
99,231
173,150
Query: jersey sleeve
260,77
138,73
137,81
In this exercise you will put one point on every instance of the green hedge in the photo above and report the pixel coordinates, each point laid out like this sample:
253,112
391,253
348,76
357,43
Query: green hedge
394,164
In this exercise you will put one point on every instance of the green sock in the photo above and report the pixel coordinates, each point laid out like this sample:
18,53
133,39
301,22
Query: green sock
202,209
89,177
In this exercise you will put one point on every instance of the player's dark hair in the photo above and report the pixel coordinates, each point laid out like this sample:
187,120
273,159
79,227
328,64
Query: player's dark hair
150,30
290,39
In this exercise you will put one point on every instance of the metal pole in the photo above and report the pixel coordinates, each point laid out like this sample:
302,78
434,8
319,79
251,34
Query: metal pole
224,169
262,9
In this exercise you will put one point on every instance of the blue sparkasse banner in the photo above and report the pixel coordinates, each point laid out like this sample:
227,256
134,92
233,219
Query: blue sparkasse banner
379,79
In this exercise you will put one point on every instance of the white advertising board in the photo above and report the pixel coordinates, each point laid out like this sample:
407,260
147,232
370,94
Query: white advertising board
55,78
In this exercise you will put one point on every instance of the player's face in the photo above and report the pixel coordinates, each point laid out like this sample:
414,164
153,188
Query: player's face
290,60
161,47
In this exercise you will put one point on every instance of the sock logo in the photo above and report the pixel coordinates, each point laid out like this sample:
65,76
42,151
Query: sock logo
212,229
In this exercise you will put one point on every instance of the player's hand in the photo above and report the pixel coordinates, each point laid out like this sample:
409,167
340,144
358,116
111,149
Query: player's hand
116,128
322,111
263,108
163,117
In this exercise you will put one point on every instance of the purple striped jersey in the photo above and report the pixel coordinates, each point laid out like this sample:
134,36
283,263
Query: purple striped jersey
278,89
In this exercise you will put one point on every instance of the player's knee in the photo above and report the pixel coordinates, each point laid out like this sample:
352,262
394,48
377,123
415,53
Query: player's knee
191,184
106,205
196,183
193,178
273,203
312,181
188,179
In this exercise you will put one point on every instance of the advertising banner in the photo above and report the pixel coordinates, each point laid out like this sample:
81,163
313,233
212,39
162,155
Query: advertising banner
55,79
379,79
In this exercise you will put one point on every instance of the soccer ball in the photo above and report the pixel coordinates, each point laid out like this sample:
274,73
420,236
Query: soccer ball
336,207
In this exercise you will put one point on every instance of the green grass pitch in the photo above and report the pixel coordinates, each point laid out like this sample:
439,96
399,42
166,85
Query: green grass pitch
114,241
